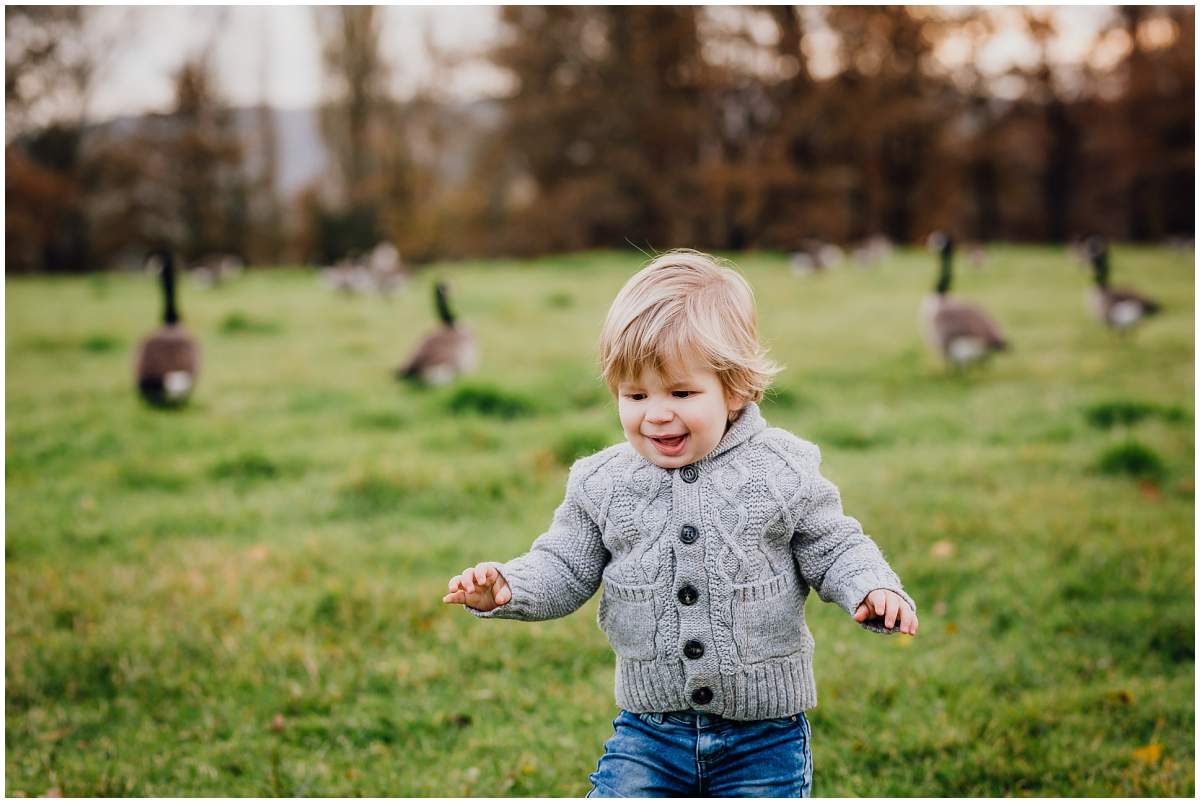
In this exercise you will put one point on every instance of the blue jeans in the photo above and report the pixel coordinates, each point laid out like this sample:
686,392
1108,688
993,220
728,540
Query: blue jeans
689,754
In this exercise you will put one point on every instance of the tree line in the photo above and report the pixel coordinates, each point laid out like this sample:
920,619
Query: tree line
648,126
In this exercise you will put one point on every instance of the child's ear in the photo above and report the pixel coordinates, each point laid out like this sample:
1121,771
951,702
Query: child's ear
735,404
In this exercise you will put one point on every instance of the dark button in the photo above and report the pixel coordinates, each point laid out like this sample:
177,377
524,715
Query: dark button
688,595
689,473
689,534
702,696
693,649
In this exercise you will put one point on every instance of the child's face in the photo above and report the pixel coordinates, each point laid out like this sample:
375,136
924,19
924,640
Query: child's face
674,422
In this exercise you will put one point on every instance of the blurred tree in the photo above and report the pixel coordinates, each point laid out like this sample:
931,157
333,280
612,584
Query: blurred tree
358,120
356,77
601,133
179,178
206,177
48,71
48,76
265,238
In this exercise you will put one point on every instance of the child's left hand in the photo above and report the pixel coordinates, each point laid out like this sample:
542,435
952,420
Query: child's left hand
890,606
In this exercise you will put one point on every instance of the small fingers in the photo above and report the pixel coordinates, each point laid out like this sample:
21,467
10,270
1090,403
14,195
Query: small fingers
862,612
455,583
891,610
481,575
468,579
877,600
455,598
908,620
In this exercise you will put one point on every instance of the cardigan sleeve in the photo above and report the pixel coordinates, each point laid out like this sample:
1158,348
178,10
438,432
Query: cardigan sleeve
832,553
562,569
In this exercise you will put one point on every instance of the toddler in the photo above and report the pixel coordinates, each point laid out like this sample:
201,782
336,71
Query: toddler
707,528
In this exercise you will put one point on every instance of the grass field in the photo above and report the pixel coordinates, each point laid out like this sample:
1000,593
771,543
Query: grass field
243,597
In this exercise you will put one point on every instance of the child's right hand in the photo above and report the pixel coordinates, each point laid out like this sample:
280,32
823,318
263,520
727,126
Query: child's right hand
481,587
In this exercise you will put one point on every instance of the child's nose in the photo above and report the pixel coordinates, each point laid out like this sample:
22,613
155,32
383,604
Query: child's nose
660,412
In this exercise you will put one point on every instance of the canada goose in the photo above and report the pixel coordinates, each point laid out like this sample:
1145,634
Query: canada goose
348,276
168,358
1117,307
961,333
815,256
379,271
443,354
217,269
871,251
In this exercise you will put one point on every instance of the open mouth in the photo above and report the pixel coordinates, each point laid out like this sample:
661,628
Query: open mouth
669,445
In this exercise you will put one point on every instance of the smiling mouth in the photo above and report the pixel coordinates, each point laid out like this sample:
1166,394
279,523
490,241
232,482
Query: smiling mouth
669,446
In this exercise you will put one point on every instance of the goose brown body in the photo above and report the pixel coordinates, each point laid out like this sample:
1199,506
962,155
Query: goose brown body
961,332
1116,307
168,360
445,354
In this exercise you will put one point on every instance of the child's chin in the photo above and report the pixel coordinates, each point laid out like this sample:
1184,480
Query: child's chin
662,461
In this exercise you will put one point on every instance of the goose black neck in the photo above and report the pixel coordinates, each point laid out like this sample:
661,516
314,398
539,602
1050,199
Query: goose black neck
1100,268
170,313
443,305
944,275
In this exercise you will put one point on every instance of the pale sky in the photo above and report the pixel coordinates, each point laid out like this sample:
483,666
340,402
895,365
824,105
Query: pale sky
153,40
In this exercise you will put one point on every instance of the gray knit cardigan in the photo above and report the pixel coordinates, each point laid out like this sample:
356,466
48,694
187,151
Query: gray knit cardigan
706,569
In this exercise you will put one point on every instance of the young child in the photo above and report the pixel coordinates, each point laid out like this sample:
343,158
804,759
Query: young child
707,529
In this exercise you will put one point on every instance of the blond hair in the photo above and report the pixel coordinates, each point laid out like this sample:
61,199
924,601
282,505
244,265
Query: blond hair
686,304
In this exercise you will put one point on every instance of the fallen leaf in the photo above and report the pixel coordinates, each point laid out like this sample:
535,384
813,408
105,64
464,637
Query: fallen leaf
951,628
1122,696
277,723
1150,754
1150,490
942,549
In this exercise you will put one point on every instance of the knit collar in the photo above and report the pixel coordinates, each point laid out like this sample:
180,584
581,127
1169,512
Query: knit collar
747,425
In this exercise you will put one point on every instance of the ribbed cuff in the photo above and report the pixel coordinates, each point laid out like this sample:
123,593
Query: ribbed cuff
853,591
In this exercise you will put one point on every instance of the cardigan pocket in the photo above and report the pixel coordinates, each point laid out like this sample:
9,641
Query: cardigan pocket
767,619
626,616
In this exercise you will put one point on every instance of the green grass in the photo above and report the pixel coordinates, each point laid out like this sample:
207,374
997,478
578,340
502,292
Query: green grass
243,597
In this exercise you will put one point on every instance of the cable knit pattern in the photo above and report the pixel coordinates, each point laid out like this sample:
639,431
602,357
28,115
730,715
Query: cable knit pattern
705,570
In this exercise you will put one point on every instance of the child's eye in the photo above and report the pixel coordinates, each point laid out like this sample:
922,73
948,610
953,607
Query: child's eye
682,394
635,396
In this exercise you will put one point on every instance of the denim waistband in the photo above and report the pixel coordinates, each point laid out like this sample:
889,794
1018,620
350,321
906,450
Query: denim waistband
701,720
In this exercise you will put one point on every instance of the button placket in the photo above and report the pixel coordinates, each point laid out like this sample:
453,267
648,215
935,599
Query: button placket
699,663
